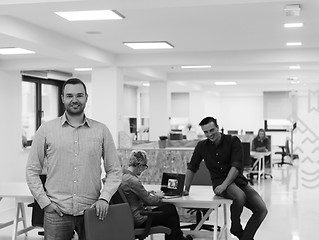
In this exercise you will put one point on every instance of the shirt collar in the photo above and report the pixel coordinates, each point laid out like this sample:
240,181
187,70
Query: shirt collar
64,120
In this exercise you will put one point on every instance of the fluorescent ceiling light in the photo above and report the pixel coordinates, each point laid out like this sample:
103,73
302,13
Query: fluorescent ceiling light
146,84
82,69
225,83
295,82
293,43
90,15
293,25
197,66
294,67
14,50
149,45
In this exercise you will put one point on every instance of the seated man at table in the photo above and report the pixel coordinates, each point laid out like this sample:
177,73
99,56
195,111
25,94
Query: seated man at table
138,197
223,156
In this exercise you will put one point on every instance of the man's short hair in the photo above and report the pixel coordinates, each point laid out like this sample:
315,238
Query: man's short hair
74,81
138,157
207,120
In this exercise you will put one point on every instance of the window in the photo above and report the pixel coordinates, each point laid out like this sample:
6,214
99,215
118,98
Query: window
41,102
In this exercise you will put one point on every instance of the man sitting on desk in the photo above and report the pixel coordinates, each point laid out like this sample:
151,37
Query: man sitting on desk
223,156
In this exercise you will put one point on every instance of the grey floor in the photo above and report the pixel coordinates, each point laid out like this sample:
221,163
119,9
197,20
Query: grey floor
293,210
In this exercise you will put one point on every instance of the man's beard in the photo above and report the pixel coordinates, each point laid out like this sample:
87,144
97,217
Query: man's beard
77,112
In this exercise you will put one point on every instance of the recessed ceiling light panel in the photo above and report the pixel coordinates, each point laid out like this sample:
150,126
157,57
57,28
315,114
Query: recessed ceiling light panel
196,66
225,83
82,69
149,45
293,25
90,15
294,67
293,43
14,50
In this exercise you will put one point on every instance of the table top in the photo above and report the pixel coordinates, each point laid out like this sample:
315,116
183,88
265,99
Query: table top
18,190
199,197
259,154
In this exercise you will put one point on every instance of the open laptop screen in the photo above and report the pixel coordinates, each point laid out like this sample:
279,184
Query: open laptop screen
172,183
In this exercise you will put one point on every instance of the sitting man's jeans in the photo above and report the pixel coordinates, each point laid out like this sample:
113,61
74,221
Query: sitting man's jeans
248,197
62,228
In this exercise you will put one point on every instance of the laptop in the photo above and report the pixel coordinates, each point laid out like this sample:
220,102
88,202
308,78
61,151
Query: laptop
172,184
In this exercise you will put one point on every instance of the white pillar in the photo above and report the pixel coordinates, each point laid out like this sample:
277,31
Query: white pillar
107,99
11,168
159,110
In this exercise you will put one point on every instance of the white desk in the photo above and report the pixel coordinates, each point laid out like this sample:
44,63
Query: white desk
20,192
260,161
202,197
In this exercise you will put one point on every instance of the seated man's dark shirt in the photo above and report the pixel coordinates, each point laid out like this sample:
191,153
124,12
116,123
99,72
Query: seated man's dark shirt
219,159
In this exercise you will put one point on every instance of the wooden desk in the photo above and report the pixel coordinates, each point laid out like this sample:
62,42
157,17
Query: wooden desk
20,192
260,156
202,197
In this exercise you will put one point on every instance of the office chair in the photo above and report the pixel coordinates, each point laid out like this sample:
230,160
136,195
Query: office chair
285,152
202,177
37,213
141,232
117,225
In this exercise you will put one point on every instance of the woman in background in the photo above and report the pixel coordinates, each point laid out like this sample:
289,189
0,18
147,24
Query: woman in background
261,143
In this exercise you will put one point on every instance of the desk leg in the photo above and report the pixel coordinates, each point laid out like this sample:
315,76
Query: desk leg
16,221
226,222
259,169
216,223
24,219
19,208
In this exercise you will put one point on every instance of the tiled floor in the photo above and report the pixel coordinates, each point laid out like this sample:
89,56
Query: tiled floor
293,211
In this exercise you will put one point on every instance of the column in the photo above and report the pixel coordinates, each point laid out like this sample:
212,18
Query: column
159,110
11,167
107,94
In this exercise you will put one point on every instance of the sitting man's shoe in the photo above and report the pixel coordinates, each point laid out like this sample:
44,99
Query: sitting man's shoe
238,234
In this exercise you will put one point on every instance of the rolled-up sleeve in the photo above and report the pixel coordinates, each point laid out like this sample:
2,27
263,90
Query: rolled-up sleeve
196,159
237,154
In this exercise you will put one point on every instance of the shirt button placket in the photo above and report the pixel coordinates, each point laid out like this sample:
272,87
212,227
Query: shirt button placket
75,172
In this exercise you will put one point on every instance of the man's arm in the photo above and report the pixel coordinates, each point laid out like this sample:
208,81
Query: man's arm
34,168
188,181
112,167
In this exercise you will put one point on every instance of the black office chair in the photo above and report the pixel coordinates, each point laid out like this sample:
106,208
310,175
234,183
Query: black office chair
141,232
37,213
285,152
202,177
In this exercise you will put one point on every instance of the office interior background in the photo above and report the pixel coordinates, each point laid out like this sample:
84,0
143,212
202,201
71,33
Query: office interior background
275,69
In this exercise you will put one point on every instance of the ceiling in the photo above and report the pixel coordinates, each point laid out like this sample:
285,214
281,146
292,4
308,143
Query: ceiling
243,40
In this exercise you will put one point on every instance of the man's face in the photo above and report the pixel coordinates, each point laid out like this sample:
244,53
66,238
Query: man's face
74,99
211,131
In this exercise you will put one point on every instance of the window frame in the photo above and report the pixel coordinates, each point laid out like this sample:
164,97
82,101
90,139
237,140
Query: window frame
39,82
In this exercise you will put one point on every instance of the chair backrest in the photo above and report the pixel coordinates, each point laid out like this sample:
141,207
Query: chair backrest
117,225
119,197
140,232
202,176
